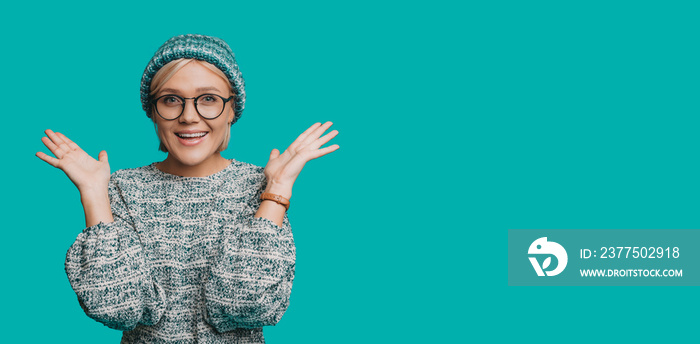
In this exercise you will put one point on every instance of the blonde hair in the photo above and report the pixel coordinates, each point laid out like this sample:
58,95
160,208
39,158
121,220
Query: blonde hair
165,73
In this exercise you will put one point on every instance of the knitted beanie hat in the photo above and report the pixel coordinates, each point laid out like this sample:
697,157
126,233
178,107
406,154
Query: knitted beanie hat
200,47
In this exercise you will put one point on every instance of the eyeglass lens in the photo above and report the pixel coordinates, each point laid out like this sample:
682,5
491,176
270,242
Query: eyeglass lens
208,106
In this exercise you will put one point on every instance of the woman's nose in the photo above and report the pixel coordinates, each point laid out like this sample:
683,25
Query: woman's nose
189,114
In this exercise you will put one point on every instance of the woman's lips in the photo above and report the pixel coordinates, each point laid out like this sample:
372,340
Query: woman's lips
191,141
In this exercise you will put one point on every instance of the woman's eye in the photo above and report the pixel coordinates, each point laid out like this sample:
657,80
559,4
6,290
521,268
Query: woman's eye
170,100
208,99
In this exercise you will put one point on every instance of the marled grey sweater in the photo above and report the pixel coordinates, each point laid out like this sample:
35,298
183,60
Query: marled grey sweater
185,260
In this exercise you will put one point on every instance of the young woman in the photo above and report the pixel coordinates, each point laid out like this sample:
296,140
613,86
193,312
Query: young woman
196,248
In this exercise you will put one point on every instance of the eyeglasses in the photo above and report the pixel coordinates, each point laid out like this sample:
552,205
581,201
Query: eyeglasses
209,106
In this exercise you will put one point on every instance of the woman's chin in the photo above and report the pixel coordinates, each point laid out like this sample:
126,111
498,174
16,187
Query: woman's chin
191,159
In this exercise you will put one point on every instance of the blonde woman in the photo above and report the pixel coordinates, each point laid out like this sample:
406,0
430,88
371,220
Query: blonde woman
195,248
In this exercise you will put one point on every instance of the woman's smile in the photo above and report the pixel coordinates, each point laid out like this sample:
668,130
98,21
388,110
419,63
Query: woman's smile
191,137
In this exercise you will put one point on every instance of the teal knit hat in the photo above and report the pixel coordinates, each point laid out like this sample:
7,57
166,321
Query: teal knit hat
200,47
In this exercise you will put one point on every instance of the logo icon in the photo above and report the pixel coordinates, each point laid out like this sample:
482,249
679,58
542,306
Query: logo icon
540,247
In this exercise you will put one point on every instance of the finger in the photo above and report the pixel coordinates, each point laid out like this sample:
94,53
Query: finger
321,152
102,157
70,143
274,154
51,160
57,140
323,140
316,133
303,135
52,146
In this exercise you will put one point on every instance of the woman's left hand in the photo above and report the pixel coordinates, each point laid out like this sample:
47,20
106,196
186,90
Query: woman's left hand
282,169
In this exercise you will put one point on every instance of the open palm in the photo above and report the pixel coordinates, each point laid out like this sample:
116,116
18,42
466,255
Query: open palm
283,169
83,170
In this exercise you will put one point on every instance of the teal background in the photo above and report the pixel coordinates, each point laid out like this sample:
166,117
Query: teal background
687,258
457,120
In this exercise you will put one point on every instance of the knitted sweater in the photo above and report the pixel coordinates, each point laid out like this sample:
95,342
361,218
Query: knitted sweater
185,259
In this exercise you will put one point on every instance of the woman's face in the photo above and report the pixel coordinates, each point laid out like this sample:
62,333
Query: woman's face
191,81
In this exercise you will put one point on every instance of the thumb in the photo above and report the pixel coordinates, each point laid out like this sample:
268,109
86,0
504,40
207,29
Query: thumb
274,154
102,157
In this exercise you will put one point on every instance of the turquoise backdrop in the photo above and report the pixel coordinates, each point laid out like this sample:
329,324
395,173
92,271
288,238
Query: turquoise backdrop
458,120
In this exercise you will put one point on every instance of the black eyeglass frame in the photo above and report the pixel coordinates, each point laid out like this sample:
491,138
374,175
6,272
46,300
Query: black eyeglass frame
184,103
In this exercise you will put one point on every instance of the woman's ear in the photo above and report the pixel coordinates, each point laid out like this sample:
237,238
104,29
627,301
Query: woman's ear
231,116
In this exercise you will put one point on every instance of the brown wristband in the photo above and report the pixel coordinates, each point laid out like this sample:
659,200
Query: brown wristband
275,198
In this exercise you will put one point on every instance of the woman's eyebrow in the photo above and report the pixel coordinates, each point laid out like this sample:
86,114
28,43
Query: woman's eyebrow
200,89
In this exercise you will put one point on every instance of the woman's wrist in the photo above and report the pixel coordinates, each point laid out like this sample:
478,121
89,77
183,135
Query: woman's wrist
278,189
266,196
93,194
96,206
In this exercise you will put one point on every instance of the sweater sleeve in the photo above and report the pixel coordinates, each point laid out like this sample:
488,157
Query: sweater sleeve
250,284
108,270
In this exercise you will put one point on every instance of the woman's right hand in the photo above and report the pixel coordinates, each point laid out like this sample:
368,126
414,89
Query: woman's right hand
88,175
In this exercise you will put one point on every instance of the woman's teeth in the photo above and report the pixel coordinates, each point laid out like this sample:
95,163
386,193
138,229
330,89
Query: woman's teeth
189,136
